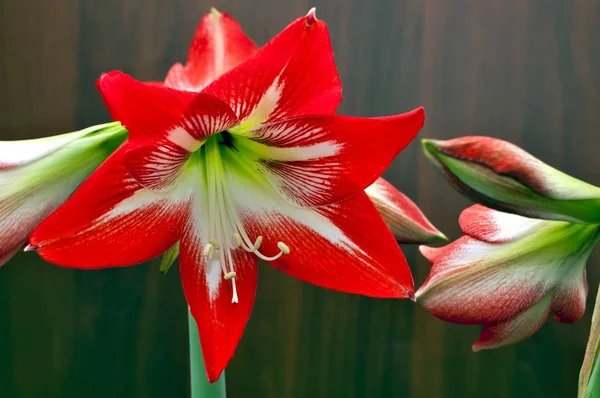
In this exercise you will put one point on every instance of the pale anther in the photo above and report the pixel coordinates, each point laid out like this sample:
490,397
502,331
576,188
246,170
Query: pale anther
258,242
237,238
283,247
215,244
229,275
208,250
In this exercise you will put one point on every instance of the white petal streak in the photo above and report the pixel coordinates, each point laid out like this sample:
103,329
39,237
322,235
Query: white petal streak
299,173
265,106
175,200
197,237
262,204
180,136
288,133
494,226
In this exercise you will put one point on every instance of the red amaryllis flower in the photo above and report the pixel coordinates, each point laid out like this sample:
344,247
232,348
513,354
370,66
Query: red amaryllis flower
245,169
509,274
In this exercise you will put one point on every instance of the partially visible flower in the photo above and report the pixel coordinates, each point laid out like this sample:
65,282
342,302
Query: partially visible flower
38,175
219,45
254,166
509,274
503,176
404,218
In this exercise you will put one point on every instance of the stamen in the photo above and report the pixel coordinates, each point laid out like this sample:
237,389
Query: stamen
237,238
230,275
208,250
226,230
283,247
234,299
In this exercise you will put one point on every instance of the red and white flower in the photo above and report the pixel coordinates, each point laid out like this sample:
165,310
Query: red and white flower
38,175
404,218
509,274
254,166
503,176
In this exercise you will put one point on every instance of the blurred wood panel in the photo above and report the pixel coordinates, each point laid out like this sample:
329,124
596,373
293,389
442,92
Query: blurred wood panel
523,70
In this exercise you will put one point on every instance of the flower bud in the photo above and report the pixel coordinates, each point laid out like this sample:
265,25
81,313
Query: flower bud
509,274
38,175
502,176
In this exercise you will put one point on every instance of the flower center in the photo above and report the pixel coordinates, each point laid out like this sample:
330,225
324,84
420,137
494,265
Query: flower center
226,229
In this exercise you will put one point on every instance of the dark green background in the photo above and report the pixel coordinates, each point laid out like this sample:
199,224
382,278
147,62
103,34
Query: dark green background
524,70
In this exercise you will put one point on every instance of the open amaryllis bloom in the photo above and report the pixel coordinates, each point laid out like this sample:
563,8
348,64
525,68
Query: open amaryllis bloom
505,177
509,274
38,175
219,44
254,166
404,218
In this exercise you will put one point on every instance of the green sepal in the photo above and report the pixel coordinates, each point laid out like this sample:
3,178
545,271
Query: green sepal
169,258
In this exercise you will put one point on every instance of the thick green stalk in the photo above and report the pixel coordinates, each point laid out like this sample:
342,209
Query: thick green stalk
200,387
589,377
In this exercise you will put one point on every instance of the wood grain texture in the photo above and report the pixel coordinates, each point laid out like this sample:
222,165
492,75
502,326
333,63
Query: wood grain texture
523,70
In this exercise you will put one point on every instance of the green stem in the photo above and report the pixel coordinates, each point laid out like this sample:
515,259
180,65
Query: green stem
589,377
200,387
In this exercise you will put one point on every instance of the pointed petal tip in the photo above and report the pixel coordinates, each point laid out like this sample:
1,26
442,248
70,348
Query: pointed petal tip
418,294
30,248
311,16
213,377
476,347
430,145
441,237
428,252
214,13
418,114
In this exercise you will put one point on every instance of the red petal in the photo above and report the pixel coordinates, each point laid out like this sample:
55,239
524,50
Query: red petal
164,125
404,218
319,160
344,247
157,165
293,74
220,322
148,111
218,45
153,114
495,226
516,329
110,220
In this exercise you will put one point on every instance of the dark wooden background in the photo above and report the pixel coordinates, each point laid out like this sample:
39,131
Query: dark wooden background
524,70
